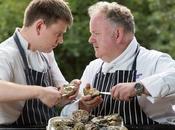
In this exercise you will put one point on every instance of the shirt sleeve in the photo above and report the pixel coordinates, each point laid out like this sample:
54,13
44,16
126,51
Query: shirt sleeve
161,83
5,67
69,109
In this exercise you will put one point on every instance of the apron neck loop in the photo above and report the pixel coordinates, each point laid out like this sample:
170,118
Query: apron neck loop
21,50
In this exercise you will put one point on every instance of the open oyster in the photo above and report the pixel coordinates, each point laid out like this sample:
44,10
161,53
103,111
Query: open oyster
80,116
114,128
68,89
89,90
79,126
113,119
91,126
109,120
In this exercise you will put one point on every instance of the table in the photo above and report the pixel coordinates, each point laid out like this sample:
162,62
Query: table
22,128
152,127
130,127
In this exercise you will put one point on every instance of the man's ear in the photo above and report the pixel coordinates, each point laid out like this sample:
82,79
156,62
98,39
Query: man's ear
119,34
38,25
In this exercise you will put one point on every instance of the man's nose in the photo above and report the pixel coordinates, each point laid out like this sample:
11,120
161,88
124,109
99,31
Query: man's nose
91,40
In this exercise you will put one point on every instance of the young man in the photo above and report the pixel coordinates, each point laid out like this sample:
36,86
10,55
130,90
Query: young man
141,81
27,58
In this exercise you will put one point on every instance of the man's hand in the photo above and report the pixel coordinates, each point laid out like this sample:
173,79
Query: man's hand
67,99
76,83
123,91
50,96
88,102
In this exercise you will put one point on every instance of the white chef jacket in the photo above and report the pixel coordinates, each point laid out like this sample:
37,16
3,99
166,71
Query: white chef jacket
12,69
156,70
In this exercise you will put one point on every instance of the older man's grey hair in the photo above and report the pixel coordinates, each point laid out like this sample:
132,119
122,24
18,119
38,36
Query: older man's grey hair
116,13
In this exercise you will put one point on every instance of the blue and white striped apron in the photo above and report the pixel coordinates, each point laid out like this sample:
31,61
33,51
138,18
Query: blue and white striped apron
35,113
130,110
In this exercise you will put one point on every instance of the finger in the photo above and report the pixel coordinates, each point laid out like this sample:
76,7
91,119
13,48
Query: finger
76,82
94,101
116,94
86,98
113,89
74,94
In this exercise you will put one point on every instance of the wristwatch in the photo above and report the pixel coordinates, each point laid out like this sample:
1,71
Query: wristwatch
139,88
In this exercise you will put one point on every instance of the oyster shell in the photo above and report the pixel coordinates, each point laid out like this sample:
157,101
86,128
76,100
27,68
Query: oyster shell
100,121
109,120
68,89
114,119
60,123
89,90
91,126
80,116
79,126
114,128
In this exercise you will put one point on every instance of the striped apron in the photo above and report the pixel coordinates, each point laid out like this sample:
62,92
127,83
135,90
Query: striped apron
35,113
130,110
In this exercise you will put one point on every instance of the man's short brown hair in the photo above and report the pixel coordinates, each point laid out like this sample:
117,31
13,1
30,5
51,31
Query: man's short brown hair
48,10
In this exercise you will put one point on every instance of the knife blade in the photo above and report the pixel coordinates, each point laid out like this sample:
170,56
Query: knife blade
105,93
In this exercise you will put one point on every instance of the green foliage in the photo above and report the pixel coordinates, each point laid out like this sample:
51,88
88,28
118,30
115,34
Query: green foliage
155,29
11,16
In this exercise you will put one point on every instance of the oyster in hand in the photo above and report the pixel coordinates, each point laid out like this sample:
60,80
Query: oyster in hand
69,89
89,90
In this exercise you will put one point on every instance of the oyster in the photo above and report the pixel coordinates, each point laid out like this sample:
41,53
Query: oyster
100,121
89,90
68,89
91,126
113,128
109,120
80,116
79,126
60,123
113,119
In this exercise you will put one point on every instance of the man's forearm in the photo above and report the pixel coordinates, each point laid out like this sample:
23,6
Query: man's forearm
13,92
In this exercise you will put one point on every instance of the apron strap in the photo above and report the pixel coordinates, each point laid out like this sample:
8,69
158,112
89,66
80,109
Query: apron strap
23,55
21,50
135,59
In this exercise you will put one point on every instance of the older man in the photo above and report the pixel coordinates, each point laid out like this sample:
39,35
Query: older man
141,81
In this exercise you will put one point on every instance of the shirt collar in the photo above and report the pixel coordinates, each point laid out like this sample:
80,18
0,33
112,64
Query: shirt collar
126,56
24,42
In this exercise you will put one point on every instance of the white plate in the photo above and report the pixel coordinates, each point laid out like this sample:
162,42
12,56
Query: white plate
171,120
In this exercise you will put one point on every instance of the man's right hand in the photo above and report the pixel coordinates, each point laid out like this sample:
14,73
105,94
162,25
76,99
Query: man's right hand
50,96
88,102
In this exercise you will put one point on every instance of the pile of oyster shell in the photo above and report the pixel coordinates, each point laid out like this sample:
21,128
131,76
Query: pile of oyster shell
82,120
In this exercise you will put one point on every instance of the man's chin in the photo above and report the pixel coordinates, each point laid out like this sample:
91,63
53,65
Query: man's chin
97,55
48,51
